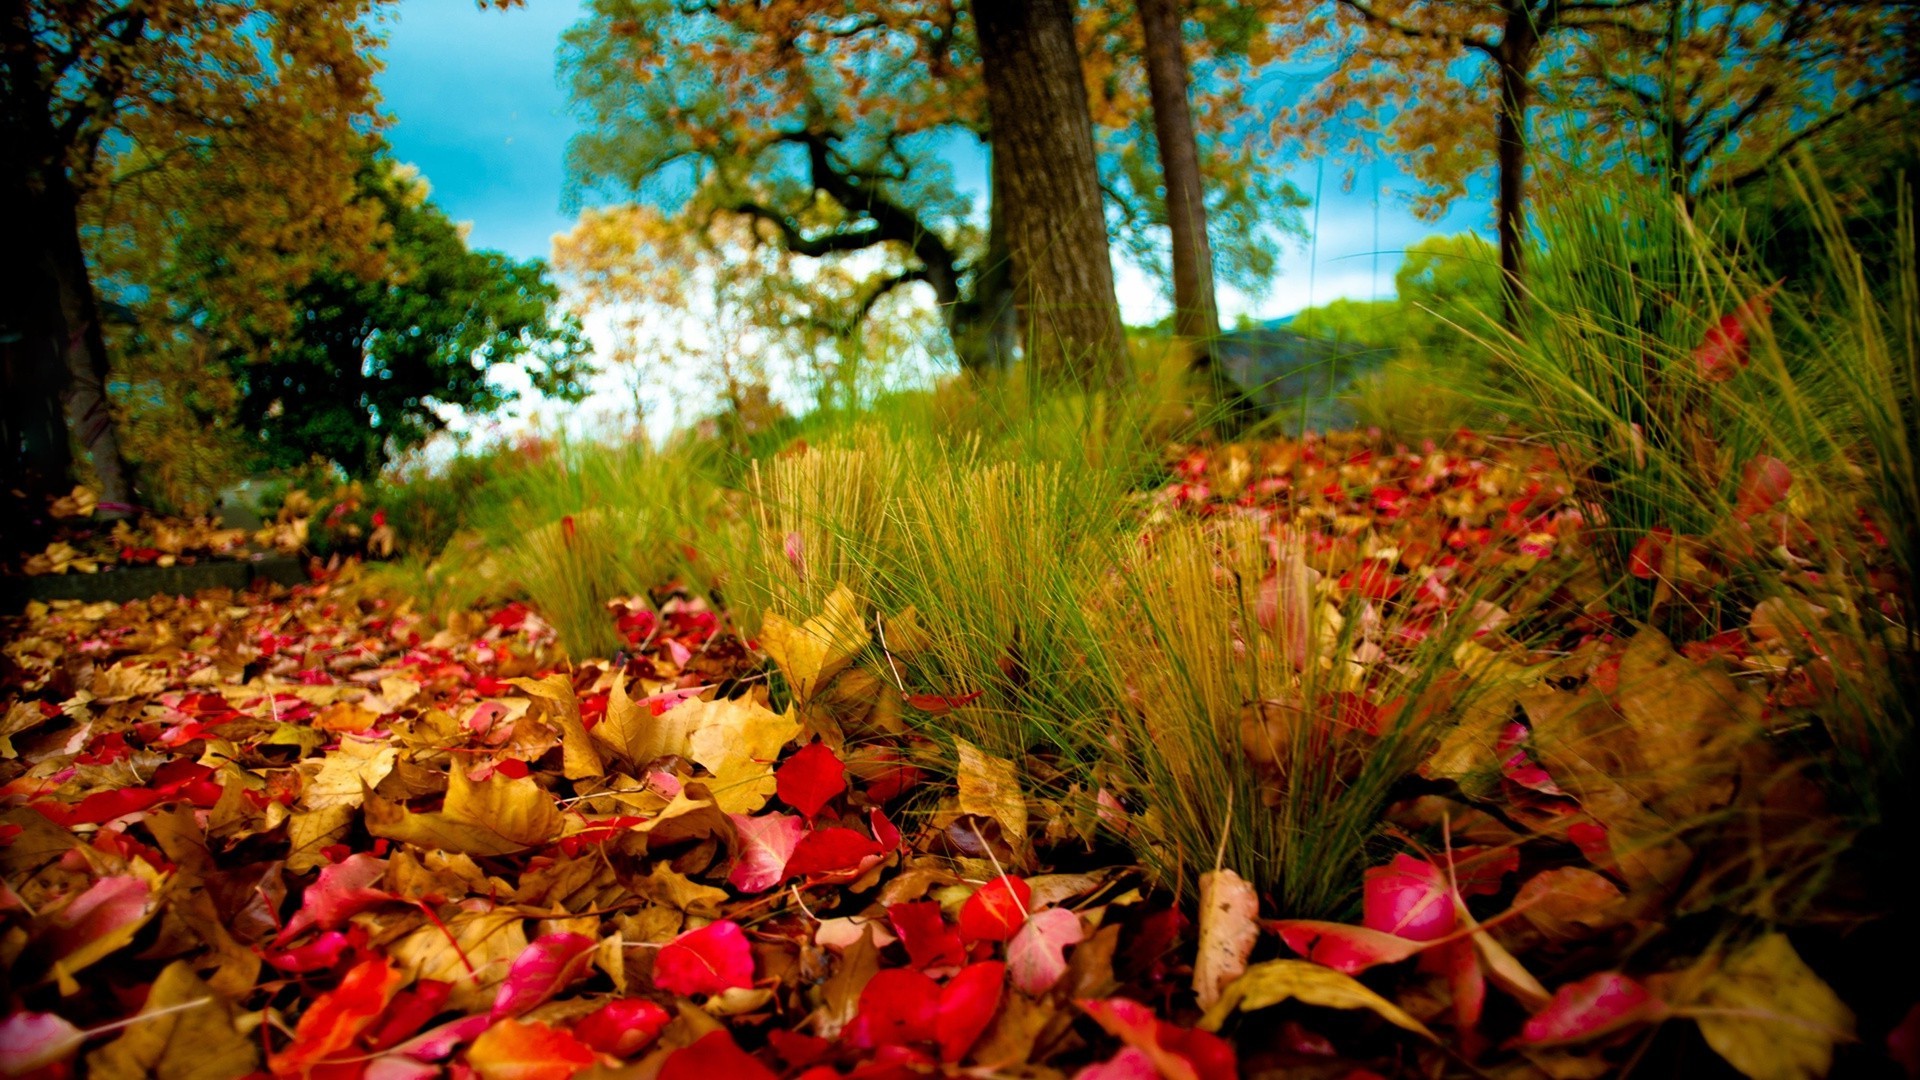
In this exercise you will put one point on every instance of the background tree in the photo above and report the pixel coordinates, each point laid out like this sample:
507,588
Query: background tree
372,363
1716,95
85,88
835,124
1163,34
1451,85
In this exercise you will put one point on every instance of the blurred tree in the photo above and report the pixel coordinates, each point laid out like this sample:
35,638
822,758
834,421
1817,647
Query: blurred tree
1163,34
1447,290
1450,84
1714,95
371,361
835,123
90,92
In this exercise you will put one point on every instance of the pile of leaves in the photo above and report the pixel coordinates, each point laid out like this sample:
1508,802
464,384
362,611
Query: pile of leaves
308,834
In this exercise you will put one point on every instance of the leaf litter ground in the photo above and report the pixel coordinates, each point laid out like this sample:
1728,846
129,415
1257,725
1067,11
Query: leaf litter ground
307,834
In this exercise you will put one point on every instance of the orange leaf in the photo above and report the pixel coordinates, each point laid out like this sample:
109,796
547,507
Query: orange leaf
337,1018
516,1050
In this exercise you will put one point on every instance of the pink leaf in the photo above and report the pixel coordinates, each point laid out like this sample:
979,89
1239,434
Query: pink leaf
110,904
767,842
1590,1008
1177,1053
714,958
1037,954
1346,949
810,779
1409,898
340,891
1128,1064
543,970
967,1005
33,1040
830,850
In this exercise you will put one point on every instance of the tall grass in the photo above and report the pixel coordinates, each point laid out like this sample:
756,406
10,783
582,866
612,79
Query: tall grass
1611,370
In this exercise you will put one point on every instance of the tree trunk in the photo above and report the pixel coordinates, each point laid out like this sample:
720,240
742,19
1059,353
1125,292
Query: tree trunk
56,357
985,327
1056,224
1194,312
1515,60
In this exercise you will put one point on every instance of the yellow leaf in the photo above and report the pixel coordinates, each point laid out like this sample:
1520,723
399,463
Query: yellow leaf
1276,981
475,959
1770,1016
990,787
738,741
339,778
497,816
579,758
345,717
630,730
816,650
196,1040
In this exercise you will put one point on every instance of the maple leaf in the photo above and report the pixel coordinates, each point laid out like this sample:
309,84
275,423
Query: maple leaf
580,759
336,1019
818,649
738,742
810,778
497,816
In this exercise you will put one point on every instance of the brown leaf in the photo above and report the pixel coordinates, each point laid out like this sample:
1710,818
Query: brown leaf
579,758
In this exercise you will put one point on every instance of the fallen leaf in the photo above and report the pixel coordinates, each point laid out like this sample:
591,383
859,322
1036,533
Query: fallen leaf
1346,949
1275,981
543,970
966,1007
766,843
1036,957
580,759
525,1050
809,779
1596,1005
1770,1016
190,1037
497,816
990,787
1175,1052
814,651
1229,910
738,742
709,960
330,1026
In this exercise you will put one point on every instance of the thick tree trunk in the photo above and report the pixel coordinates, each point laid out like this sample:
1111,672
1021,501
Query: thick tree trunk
56,357
1194,312
1056,225
1514,60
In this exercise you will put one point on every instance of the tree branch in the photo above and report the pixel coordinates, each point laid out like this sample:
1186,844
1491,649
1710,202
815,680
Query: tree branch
1367,12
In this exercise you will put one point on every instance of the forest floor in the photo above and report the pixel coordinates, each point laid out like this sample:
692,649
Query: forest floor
310,833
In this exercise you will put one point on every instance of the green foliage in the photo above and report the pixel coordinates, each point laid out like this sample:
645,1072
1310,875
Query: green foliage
371,361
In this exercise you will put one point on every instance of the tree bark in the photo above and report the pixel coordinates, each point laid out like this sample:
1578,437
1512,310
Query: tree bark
1513,58
1195,314
49,317
1042,136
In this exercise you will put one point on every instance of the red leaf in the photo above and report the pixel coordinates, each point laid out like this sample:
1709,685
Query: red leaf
317,955
941,704
996,909
1346,949
1408,898
767,841
622,1027
527,1050
1174,1051
830,850
810,779
1650,554
1590,1008
714,958
1725,349
1763,482
967,1005
928,938
543,970
410,1011
898,1005
337,1018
